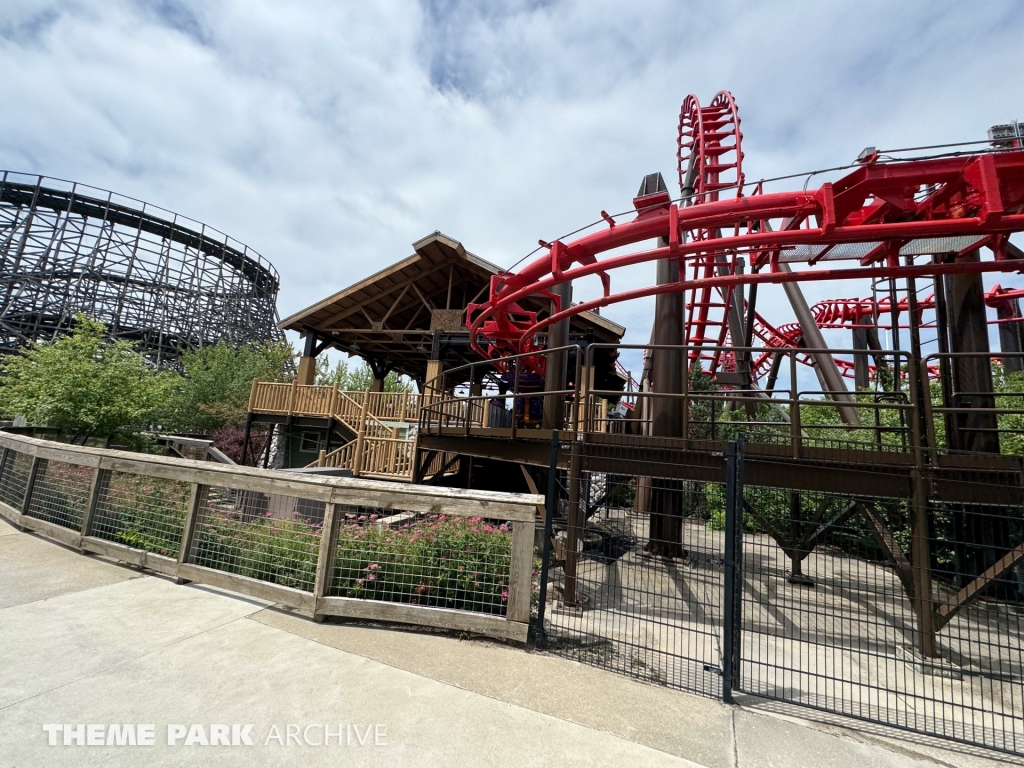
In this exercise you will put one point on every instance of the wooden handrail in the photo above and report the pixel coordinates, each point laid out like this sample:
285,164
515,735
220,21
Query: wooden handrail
312,600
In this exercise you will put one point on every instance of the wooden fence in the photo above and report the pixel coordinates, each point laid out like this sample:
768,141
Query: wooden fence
277,535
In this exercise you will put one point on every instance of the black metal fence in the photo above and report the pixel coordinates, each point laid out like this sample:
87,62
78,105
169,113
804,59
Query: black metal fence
898,600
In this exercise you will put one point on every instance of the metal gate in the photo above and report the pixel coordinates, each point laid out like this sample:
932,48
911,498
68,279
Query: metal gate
700,581
831,615
643,594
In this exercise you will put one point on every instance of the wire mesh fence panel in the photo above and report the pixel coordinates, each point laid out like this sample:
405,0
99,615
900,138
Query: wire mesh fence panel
431,560
830,618
270,537
14,478
635,580
143,512
60,493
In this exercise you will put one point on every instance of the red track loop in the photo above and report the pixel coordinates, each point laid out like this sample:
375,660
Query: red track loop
873,218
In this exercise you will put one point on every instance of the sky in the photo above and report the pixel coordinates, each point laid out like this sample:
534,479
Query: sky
329,136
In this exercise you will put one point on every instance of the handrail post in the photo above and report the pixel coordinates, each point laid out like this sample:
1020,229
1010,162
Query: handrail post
252,394
291,397
794,408
357,455
30,485
325,558
95,489
732,614
686,397
551,503
521,571
195,502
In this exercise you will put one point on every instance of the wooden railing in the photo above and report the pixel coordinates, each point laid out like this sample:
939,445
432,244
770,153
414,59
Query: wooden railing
200,521
312,400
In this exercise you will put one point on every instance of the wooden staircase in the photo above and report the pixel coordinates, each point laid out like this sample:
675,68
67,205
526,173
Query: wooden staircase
377,451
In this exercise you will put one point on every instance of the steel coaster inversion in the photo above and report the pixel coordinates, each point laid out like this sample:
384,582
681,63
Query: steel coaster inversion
888,217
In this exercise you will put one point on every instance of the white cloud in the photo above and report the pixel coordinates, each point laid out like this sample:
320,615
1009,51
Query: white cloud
329,136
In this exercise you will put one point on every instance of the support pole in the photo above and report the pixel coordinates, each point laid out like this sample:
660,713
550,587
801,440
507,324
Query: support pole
575,526
307,363
972,375
732,615
982,533
1011,343
861,367
921,565
557,362
550,506
829,377
669,369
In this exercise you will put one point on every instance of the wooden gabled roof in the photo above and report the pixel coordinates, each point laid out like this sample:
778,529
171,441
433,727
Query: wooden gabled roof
390,317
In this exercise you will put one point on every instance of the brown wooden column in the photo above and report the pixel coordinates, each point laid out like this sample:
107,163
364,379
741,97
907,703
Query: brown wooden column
861,366
972,376
982,532
307,363
668,368
1011,336
554,374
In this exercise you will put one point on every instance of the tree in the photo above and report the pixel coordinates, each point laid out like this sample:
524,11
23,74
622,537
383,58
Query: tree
85,386
218,380
356,379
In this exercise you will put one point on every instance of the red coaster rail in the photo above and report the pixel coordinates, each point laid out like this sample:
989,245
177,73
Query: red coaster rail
872,218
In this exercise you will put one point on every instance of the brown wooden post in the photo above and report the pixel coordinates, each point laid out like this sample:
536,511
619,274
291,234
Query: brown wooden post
921,564
30,485
520,588
195,502
557,362
325,559
357,454
292,393
573,534
668,368
95,489
583,418
252,395
307,363
321,459
332,407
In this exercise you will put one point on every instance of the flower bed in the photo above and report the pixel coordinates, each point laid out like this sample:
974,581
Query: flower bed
449,562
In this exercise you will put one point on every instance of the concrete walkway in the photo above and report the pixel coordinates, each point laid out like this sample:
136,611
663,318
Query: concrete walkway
86,641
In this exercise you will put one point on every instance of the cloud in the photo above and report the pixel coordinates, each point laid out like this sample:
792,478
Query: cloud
329,136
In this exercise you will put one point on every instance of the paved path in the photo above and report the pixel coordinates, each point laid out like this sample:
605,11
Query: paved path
86,641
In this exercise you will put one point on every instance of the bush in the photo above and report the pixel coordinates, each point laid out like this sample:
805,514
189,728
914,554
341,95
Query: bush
437,561
449,562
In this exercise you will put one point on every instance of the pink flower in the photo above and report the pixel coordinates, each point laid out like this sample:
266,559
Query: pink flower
461,569
373,517
372,567
362,518
359,581
504,596
371,577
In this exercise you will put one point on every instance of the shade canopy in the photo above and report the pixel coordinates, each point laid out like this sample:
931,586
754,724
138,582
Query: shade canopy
393,319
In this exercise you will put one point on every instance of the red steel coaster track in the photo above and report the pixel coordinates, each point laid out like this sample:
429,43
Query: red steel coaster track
876,220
